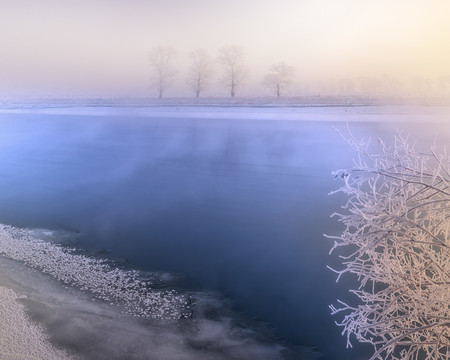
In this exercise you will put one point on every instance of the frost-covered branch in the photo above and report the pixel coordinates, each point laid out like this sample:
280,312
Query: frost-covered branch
397,231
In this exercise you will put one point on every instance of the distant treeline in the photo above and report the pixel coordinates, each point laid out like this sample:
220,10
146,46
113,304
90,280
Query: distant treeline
230,66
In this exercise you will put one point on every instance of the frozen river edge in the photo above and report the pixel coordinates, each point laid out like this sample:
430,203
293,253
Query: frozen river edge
21,338
59,305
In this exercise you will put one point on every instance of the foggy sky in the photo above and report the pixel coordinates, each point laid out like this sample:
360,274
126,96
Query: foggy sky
99,47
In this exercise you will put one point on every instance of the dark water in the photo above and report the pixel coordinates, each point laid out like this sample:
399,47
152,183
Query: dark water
238,206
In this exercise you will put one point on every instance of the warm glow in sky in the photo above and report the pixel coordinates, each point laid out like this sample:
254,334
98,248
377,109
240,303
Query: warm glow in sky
100,46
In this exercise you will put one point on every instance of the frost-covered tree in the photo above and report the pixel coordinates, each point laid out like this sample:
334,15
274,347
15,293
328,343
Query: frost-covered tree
234,70
160,58
280,76
396,241
200,72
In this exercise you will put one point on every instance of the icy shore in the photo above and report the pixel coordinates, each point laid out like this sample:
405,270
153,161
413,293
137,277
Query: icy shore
93,275
49,295
21,338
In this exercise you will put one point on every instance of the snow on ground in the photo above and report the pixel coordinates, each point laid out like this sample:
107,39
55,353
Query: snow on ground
20,338
375,113
96,276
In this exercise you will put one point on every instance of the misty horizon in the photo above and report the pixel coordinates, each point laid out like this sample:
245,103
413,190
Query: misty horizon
101,49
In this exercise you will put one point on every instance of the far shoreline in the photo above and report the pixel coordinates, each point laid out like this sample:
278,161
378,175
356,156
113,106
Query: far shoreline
307,100
241,112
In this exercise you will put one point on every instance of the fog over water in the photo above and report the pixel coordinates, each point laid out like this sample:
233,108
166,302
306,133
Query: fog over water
226,204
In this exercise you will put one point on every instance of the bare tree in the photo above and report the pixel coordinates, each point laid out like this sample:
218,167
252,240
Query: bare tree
232,60
160,58
280,76
397,241
200,71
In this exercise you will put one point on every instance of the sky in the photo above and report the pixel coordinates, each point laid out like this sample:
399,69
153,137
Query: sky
100,47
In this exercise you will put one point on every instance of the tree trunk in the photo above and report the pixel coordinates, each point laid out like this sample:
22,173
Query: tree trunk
197,90
161,87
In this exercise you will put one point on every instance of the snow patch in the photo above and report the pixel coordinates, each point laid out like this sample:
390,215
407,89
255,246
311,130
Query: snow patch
20,338
124,288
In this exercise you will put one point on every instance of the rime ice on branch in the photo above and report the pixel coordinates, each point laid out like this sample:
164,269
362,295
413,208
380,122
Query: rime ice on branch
397,242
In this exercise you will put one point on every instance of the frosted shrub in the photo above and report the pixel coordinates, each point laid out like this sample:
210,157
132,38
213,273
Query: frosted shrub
396,241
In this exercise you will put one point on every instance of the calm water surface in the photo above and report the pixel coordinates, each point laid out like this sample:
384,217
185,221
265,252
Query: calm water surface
237,206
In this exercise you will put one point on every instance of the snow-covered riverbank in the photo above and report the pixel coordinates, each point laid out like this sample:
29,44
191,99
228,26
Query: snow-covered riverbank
351,113
20,337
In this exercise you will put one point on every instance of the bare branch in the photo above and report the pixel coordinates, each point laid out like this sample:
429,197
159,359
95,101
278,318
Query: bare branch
397,218
200,72
234,71
160,58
